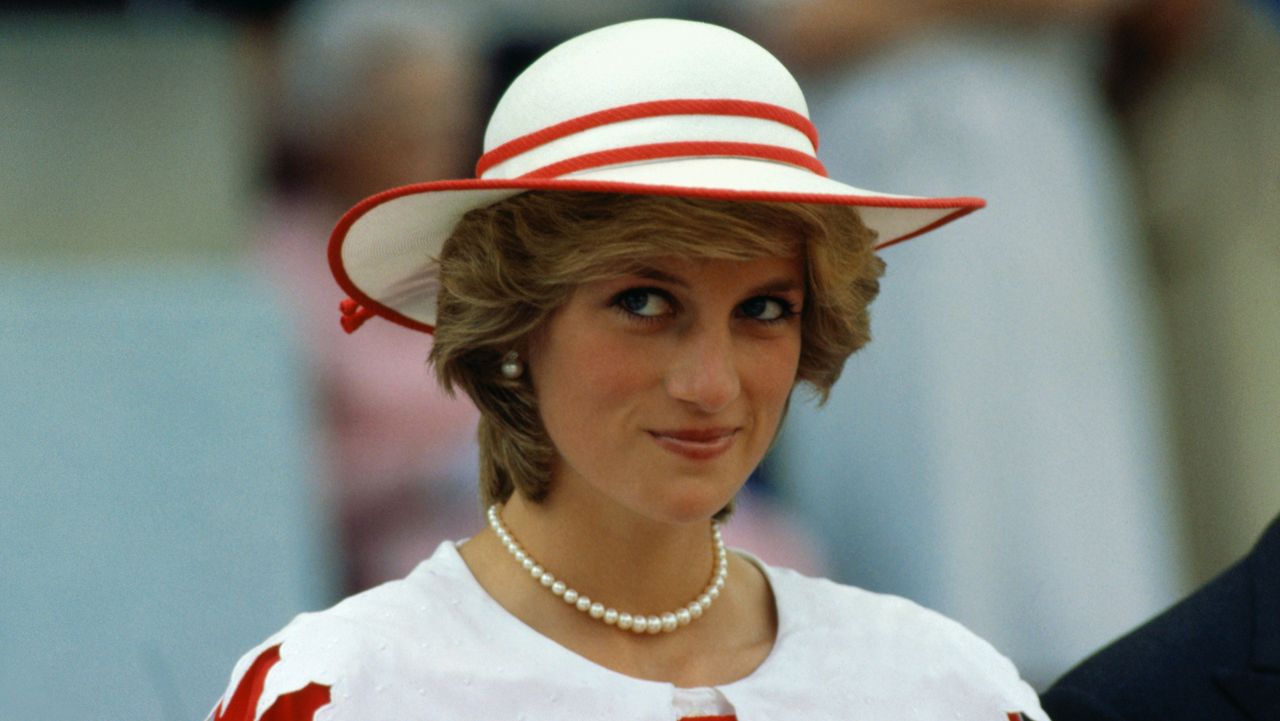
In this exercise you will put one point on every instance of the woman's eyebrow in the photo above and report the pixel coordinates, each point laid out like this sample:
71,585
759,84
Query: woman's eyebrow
777,285
659,275
781,285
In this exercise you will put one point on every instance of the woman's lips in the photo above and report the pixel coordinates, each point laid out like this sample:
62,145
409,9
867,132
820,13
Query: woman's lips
696,444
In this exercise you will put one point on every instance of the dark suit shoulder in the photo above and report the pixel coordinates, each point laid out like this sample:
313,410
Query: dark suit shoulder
1163,670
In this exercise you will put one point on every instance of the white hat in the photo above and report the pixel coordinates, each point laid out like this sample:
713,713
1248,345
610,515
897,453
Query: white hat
657,107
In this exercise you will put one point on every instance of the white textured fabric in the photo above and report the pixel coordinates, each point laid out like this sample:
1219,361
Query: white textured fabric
435,646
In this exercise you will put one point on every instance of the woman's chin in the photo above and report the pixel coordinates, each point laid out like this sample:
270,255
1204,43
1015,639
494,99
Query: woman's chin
688,508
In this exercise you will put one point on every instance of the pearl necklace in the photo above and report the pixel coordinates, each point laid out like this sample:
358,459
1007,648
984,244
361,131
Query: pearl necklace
636,623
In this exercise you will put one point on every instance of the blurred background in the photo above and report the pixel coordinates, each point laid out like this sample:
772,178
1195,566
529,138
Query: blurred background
1067,421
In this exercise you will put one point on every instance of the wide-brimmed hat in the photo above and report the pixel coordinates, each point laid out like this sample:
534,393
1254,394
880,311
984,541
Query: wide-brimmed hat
658,107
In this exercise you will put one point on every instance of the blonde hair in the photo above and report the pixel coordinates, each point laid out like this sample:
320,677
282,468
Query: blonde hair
508,266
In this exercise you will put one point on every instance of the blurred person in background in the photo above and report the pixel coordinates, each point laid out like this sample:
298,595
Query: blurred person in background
999,453
373,95
1195,82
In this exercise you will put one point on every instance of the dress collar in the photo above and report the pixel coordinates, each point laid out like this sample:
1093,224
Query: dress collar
447,560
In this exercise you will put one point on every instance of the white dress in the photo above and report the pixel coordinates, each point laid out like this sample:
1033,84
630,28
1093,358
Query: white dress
436,646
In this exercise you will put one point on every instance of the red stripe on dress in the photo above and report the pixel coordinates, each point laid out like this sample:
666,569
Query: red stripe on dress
652,151
651,109
297,705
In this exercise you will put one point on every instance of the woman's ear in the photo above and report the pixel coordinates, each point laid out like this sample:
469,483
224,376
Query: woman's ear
532,349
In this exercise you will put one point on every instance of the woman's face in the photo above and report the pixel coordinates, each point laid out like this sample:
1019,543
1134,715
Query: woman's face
661,390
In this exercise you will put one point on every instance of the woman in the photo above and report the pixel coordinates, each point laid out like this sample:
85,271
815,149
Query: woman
631,332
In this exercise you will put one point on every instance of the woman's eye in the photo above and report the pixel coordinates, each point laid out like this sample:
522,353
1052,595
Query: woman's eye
644,303
766,309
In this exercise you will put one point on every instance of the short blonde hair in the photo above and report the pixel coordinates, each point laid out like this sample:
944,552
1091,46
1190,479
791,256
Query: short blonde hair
507,267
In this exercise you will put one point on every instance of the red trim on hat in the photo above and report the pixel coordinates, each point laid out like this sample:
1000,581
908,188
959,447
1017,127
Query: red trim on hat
653,151
960,213
359,301
353,315
651,109
962,206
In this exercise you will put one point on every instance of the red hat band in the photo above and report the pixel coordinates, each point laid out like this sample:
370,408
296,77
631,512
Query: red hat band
680,127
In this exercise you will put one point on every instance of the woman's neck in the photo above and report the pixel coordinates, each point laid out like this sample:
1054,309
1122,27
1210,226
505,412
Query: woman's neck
631,563
635,566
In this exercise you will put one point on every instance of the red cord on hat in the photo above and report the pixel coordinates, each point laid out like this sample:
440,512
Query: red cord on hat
353,315
650,109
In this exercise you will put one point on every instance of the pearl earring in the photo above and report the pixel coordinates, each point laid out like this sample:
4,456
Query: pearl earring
512,368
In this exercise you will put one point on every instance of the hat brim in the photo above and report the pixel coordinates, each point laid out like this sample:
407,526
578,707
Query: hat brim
383,251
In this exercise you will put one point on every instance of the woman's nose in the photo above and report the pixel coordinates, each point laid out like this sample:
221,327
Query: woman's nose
704,371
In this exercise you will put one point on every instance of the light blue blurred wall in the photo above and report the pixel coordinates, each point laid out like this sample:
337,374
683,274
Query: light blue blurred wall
157,516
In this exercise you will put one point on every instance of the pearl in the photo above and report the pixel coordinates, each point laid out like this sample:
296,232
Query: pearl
511,367
664,623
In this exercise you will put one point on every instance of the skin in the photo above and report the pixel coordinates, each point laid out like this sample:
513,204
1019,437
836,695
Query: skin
624,372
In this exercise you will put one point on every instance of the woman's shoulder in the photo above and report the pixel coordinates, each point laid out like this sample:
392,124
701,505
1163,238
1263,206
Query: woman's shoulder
836,608
356,644
887,641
